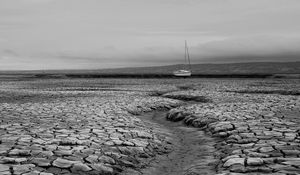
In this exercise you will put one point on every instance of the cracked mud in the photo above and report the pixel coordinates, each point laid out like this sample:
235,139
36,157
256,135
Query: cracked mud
92,126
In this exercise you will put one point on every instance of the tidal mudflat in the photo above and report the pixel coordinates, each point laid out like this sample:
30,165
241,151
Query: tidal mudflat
110,126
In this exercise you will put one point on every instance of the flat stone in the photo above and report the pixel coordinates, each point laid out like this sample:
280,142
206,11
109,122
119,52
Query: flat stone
284,159
294,153
266,149
223,126
20,169
42,162
292,135
44,173
102,168
221,134
5,173
92,159
139,142
230,157
4,168
273,133
109,143
144,134
80,167
233,161
254,161
126,143
255,154
106,159
63,163
32,173
238,168
292,162
17,152
7,160
63,152
269,160
126,163
74,158
68,142
54,170
287,168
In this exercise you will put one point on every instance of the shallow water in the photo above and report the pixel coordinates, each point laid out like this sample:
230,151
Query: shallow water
192,152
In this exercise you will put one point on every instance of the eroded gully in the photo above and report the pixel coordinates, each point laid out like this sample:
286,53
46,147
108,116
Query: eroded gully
192,150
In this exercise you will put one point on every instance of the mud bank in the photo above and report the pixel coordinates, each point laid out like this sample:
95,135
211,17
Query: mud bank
191,152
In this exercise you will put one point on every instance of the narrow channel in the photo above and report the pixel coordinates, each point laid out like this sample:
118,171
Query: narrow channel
192,150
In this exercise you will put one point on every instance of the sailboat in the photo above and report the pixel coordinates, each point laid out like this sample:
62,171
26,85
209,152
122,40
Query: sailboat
185,72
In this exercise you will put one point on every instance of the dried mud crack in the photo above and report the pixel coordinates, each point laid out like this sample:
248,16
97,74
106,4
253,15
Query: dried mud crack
46,129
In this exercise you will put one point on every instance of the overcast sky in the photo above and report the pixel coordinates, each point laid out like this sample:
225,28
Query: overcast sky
83,34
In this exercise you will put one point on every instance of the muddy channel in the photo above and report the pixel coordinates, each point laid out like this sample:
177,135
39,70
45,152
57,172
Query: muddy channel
192,149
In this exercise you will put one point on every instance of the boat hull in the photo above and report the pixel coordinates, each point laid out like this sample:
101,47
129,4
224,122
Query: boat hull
182,73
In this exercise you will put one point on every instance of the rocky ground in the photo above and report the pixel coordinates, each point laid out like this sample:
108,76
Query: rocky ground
77,126
259,131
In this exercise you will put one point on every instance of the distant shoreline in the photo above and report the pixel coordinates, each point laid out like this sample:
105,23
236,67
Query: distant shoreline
232,70
254,69
88,75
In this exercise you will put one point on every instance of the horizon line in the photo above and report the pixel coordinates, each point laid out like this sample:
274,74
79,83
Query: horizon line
28,70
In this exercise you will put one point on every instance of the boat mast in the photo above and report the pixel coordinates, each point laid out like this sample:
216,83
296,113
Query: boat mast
185,53
188,55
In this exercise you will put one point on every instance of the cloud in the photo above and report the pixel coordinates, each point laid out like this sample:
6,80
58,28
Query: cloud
96,33
238,49
37,1
255,46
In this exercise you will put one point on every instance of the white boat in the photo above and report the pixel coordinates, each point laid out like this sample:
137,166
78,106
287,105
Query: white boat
182,73
185,72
